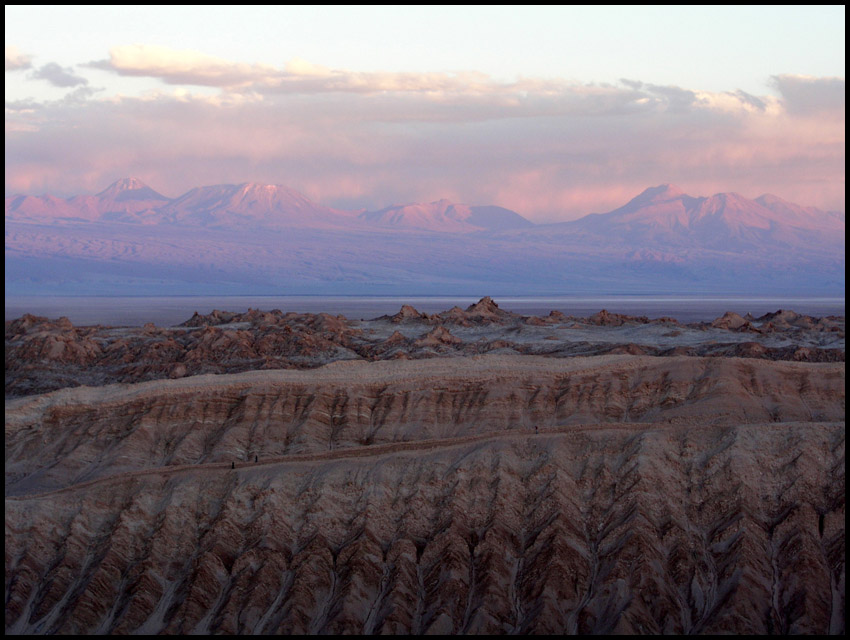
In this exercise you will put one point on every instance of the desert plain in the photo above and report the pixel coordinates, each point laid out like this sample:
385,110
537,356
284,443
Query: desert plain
473,471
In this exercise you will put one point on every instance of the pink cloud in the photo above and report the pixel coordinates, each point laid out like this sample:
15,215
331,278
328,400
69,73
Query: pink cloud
551,150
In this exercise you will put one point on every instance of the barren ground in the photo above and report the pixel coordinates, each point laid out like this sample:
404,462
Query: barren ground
470,472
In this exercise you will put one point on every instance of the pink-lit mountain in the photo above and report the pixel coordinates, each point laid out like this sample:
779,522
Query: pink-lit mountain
269,239
665,217
127,200
253,205
446,216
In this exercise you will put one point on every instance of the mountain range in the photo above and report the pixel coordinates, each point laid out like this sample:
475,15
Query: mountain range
664,216
267,206
270,239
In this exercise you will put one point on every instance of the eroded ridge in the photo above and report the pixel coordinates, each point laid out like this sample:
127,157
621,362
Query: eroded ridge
75,435
606,528
497,493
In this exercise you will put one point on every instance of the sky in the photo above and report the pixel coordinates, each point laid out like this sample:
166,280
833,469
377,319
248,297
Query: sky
554,112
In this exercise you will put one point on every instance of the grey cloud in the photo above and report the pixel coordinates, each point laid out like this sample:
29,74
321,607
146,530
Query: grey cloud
27,105
749,99
58,76
807,96
632,84
676,98
80,94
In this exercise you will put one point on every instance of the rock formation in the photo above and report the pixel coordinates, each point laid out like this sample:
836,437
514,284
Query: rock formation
693,492
44,355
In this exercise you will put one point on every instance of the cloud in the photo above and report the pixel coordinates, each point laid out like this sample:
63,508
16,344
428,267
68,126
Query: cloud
58,76
181,66
632,84
188,67
304,78
300,77
749,99
807,95
450,95
80,94
16,60
550,149
677,99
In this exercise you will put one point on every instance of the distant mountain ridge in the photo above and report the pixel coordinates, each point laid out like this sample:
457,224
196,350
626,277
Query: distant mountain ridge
668,205
666,217
444,215
262,205
659,214
270,239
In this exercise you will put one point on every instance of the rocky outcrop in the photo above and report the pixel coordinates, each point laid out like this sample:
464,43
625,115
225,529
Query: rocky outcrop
44,355
732,321
438,337
408,314
606,319
212,319
785,319
484,312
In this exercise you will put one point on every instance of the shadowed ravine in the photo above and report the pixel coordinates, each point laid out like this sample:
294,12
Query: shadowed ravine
496,494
